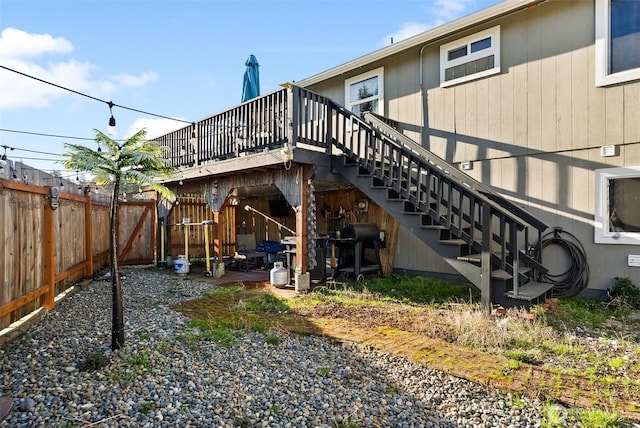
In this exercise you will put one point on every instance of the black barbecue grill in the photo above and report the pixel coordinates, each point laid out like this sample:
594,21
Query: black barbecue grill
354,239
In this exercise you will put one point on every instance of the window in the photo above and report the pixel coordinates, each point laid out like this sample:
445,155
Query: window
470,58
617,217
617,41
365,93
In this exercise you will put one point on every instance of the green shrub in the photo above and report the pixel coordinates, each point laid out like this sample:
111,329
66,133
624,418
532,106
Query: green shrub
625,293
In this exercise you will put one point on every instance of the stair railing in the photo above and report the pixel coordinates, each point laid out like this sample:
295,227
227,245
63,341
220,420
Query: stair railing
470,210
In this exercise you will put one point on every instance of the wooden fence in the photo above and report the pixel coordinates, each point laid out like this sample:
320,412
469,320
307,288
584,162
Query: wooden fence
50,243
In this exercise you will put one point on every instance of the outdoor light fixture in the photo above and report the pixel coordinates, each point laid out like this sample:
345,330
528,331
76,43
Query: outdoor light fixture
112,120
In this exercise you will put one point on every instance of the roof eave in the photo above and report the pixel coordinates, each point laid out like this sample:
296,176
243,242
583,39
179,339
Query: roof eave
492,12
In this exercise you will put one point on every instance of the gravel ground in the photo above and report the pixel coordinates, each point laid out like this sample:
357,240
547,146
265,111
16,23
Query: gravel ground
162,378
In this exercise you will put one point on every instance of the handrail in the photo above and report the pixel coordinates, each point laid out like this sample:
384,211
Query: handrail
465,179
435,188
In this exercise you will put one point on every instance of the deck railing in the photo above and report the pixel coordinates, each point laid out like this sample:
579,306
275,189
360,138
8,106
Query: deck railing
295,116
250,127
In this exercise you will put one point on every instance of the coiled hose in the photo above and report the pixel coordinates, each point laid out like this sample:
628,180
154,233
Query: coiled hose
575,279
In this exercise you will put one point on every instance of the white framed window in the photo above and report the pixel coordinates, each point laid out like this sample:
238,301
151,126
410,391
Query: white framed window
617,210
470,58
617,41
365,92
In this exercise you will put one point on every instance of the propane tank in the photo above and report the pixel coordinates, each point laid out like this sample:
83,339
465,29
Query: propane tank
181,265
279,275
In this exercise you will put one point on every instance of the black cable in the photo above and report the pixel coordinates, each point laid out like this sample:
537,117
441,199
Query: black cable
46,135
109,103
576,278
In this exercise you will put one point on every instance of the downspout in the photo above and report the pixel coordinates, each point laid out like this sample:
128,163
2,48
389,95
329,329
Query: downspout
422,99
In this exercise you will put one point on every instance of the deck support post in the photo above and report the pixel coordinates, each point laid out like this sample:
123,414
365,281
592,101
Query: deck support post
301,229
485,259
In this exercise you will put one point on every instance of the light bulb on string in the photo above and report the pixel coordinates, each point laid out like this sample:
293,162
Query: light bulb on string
112,120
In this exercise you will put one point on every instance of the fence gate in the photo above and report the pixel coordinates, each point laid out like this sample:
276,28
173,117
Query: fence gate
136,232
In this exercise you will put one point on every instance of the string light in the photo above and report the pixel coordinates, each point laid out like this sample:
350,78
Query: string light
112,120
109,103
5,147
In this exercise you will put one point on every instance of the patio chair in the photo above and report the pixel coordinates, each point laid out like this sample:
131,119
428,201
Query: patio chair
246,252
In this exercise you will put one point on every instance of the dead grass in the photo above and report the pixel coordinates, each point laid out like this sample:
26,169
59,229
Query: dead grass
508,351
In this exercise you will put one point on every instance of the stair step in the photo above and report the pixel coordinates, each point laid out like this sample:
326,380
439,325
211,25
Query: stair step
459,242
434,227
531,291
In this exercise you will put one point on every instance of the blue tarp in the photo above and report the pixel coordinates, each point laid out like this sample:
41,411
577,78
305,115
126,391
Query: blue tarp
270,247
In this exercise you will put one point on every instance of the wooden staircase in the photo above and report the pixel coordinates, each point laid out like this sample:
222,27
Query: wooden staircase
482,235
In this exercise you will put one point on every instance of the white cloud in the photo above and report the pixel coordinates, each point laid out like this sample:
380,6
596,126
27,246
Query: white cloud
16,43
141,80
22,52
450,9
155,127
407,30
441,12
19,91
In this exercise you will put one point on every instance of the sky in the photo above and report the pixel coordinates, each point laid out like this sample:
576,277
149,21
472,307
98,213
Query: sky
181,59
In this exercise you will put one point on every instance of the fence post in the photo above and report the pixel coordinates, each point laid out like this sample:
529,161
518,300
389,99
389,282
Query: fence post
88,232
49,258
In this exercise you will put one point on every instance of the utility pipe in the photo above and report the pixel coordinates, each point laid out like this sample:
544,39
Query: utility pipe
205,224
